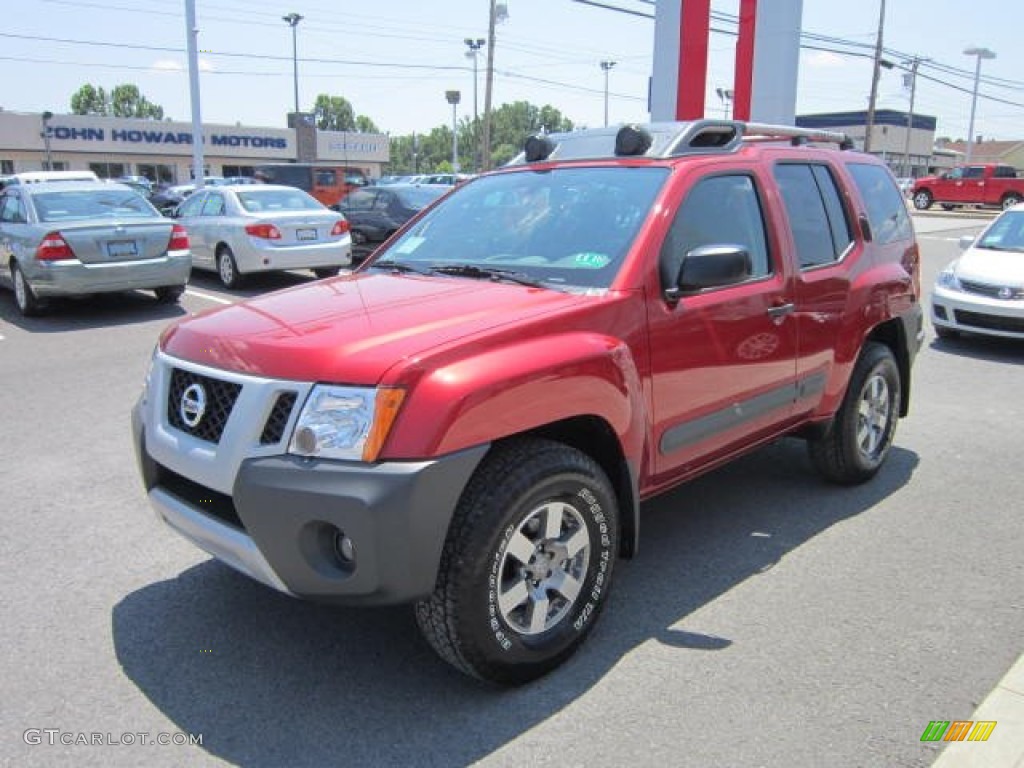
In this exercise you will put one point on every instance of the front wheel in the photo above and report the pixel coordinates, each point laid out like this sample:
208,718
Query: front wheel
922,200
859,438
527,563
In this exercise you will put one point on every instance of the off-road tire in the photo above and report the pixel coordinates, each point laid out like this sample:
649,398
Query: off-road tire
857,442
487,556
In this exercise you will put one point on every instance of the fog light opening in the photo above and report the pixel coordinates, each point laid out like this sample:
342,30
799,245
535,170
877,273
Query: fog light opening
344,549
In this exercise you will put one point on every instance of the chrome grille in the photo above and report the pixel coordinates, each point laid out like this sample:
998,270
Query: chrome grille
220,399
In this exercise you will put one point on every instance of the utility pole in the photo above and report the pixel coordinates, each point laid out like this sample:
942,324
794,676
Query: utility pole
192,44
913,64
874,77
485,155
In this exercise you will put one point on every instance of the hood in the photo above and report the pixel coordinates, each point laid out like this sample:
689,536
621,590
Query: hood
984,265
352,329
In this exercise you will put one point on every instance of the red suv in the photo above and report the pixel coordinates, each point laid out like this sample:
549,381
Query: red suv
471,420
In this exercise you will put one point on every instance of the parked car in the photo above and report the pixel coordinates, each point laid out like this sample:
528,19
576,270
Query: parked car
982,291
69,238
983,185
470,421
168,198
245,228
376,213
140,184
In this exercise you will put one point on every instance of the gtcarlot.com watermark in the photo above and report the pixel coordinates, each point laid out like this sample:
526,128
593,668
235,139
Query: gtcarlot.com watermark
56,737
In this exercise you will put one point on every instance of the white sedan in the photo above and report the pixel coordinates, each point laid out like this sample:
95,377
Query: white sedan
983,290
240,229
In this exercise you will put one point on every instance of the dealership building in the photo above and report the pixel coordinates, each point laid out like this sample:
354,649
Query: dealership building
162,150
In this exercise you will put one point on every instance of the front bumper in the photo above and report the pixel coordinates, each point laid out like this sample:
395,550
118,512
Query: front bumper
974,313
75,278
282,521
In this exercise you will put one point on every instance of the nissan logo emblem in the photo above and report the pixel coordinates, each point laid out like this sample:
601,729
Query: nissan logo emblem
193,405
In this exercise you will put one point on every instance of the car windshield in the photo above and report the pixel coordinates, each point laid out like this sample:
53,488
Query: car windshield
264,200
1005,234
418,198
567,228
68,205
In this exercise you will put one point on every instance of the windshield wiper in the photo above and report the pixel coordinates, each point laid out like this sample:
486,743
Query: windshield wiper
401,266
471,270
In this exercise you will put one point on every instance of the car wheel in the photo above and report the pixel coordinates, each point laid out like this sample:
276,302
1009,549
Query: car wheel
227,268
28,304
169,294
527,563
1011,200
923,200
327,272
859,438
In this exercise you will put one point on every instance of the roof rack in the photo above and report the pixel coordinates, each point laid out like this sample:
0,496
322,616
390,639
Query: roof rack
667,140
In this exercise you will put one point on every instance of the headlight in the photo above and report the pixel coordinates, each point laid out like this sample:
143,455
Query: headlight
345,422
947,279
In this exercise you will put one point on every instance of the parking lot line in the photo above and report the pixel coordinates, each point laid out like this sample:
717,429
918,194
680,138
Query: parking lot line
207,296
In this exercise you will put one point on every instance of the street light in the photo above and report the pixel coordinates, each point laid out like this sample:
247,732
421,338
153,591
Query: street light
725,94
293,20
453,98
47,116
606,66
981,53
472,53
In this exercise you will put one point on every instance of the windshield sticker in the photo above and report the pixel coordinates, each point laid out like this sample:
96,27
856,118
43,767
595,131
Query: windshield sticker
591,260
409,245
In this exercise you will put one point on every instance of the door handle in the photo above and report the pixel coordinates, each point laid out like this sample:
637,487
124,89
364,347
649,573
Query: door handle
778,312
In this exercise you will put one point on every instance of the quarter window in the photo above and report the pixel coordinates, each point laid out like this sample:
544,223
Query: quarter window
886,209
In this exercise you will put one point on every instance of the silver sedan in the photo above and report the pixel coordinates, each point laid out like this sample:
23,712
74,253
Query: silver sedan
240,229
66,238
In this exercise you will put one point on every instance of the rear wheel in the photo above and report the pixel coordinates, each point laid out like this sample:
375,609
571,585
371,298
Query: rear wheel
227,268
1011,200
859,438
28,304
169,294
923,200
527,564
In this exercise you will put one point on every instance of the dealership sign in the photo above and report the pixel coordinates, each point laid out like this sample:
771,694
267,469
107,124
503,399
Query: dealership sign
136,136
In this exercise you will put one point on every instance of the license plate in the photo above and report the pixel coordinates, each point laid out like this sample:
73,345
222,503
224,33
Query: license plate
118,249
305,234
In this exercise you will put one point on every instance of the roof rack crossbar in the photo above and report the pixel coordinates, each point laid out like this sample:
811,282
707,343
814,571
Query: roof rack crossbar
796,135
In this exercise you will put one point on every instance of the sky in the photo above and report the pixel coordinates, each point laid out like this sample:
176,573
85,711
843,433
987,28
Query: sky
394,59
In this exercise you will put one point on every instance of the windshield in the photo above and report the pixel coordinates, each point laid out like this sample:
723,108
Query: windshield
1005,234
568,228
92,204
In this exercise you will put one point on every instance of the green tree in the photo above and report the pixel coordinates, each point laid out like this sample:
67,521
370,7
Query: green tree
334,113
90,100
365,125
127,101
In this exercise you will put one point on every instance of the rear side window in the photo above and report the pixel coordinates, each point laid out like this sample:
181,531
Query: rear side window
821,232
887,212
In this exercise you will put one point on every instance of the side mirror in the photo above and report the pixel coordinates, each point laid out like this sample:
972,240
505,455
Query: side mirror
966,241
711,266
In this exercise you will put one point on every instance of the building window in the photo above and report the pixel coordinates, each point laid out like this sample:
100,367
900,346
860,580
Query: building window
239,170
107,170
6,166
158,174
58,165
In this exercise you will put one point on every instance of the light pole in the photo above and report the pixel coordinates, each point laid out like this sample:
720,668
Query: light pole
453,98
981,53
47,116
293,20
606,66
725,94
472,53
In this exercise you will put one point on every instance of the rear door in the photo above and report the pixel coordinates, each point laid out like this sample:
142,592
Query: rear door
190,216
723,359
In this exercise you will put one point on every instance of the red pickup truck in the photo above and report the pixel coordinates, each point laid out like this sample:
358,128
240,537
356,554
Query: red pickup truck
470,421
984,184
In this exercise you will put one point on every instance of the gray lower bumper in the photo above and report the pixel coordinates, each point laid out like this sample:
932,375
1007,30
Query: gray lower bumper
282,521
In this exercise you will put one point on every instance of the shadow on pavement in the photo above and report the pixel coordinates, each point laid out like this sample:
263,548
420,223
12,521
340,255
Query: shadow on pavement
270,681
90,312
990,348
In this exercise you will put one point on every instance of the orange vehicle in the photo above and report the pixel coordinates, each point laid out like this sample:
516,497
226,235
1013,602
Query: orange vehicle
326,182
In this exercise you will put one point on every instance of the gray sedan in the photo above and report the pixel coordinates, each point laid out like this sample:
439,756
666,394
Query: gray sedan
240,229
66,238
